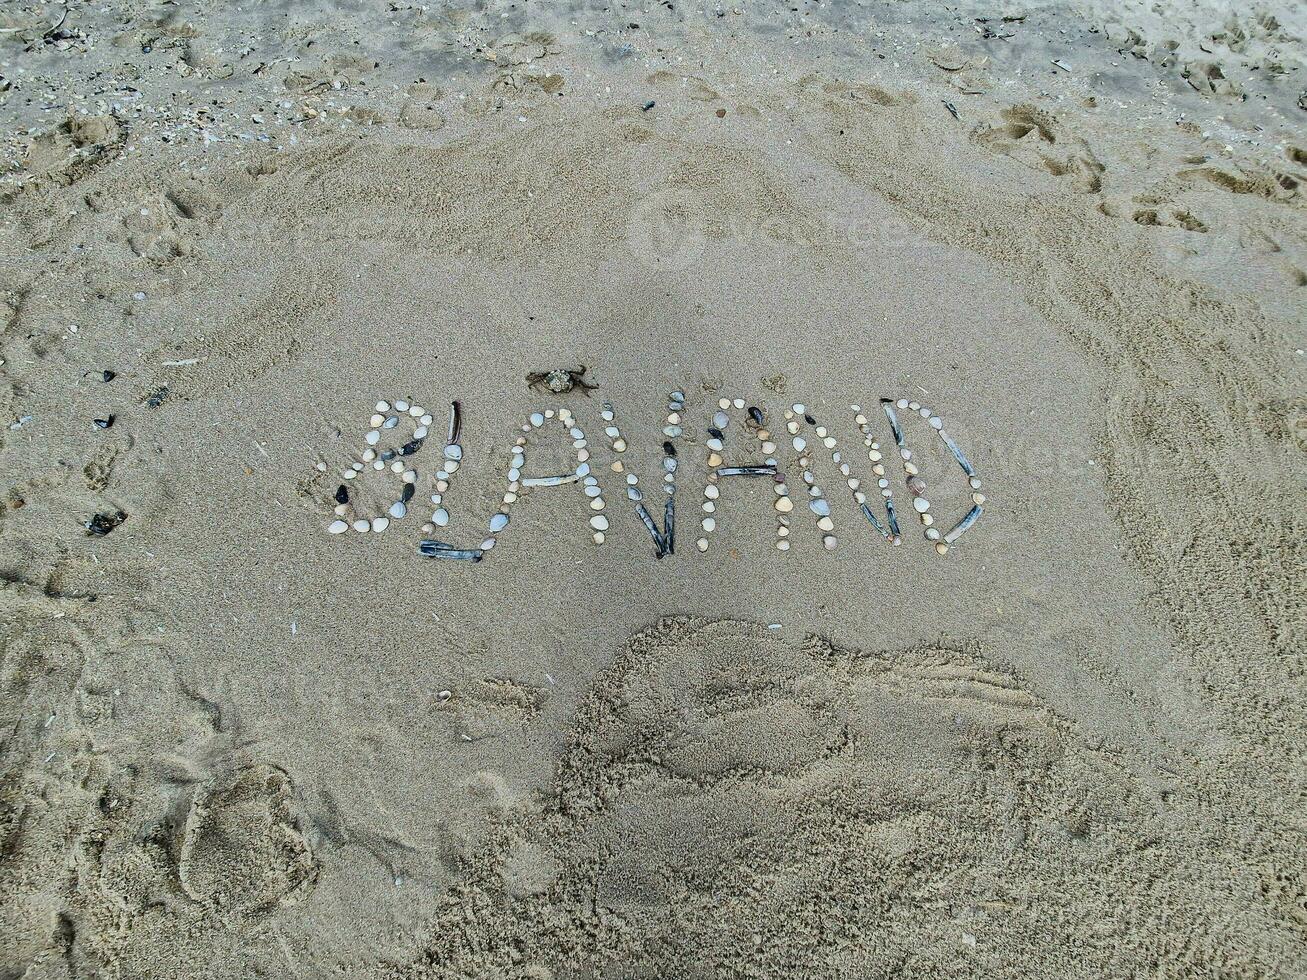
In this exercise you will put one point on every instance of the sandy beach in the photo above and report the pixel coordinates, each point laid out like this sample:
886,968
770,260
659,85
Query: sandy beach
989,663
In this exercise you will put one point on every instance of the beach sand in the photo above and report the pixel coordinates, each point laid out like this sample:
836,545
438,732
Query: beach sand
235,745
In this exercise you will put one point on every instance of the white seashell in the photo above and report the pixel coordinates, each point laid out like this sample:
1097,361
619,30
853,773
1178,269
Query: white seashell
599,522
401,406
379,524
711,492
723,403
373,437
920,504
337,527
782,545
498,522
420,432
799,444
383,406
826,524
702,544
425,420
709,525
598,537
902,403
738,402
829,542
440,518
361,525
488,544
799,409
376,421
398,509
537,420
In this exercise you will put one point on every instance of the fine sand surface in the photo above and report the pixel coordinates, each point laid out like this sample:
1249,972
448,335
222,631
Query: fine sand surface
234,745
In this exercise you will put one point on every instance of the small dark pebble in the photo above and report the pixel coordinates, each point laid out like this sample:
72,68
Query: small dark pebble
755,413
647,106
104,522
156,399
406,494
109,376
387,455
810,420
104,423
715,432
342,494
410,447
669,450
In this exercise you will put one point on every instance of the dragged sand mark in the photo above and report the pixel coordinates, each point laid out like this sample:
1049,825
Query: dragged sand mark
733,803
492,706
1199,424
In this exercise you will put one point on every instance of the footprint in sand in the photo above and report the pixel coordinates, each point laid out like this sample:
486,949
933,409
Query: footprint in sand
1036,139
244,851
